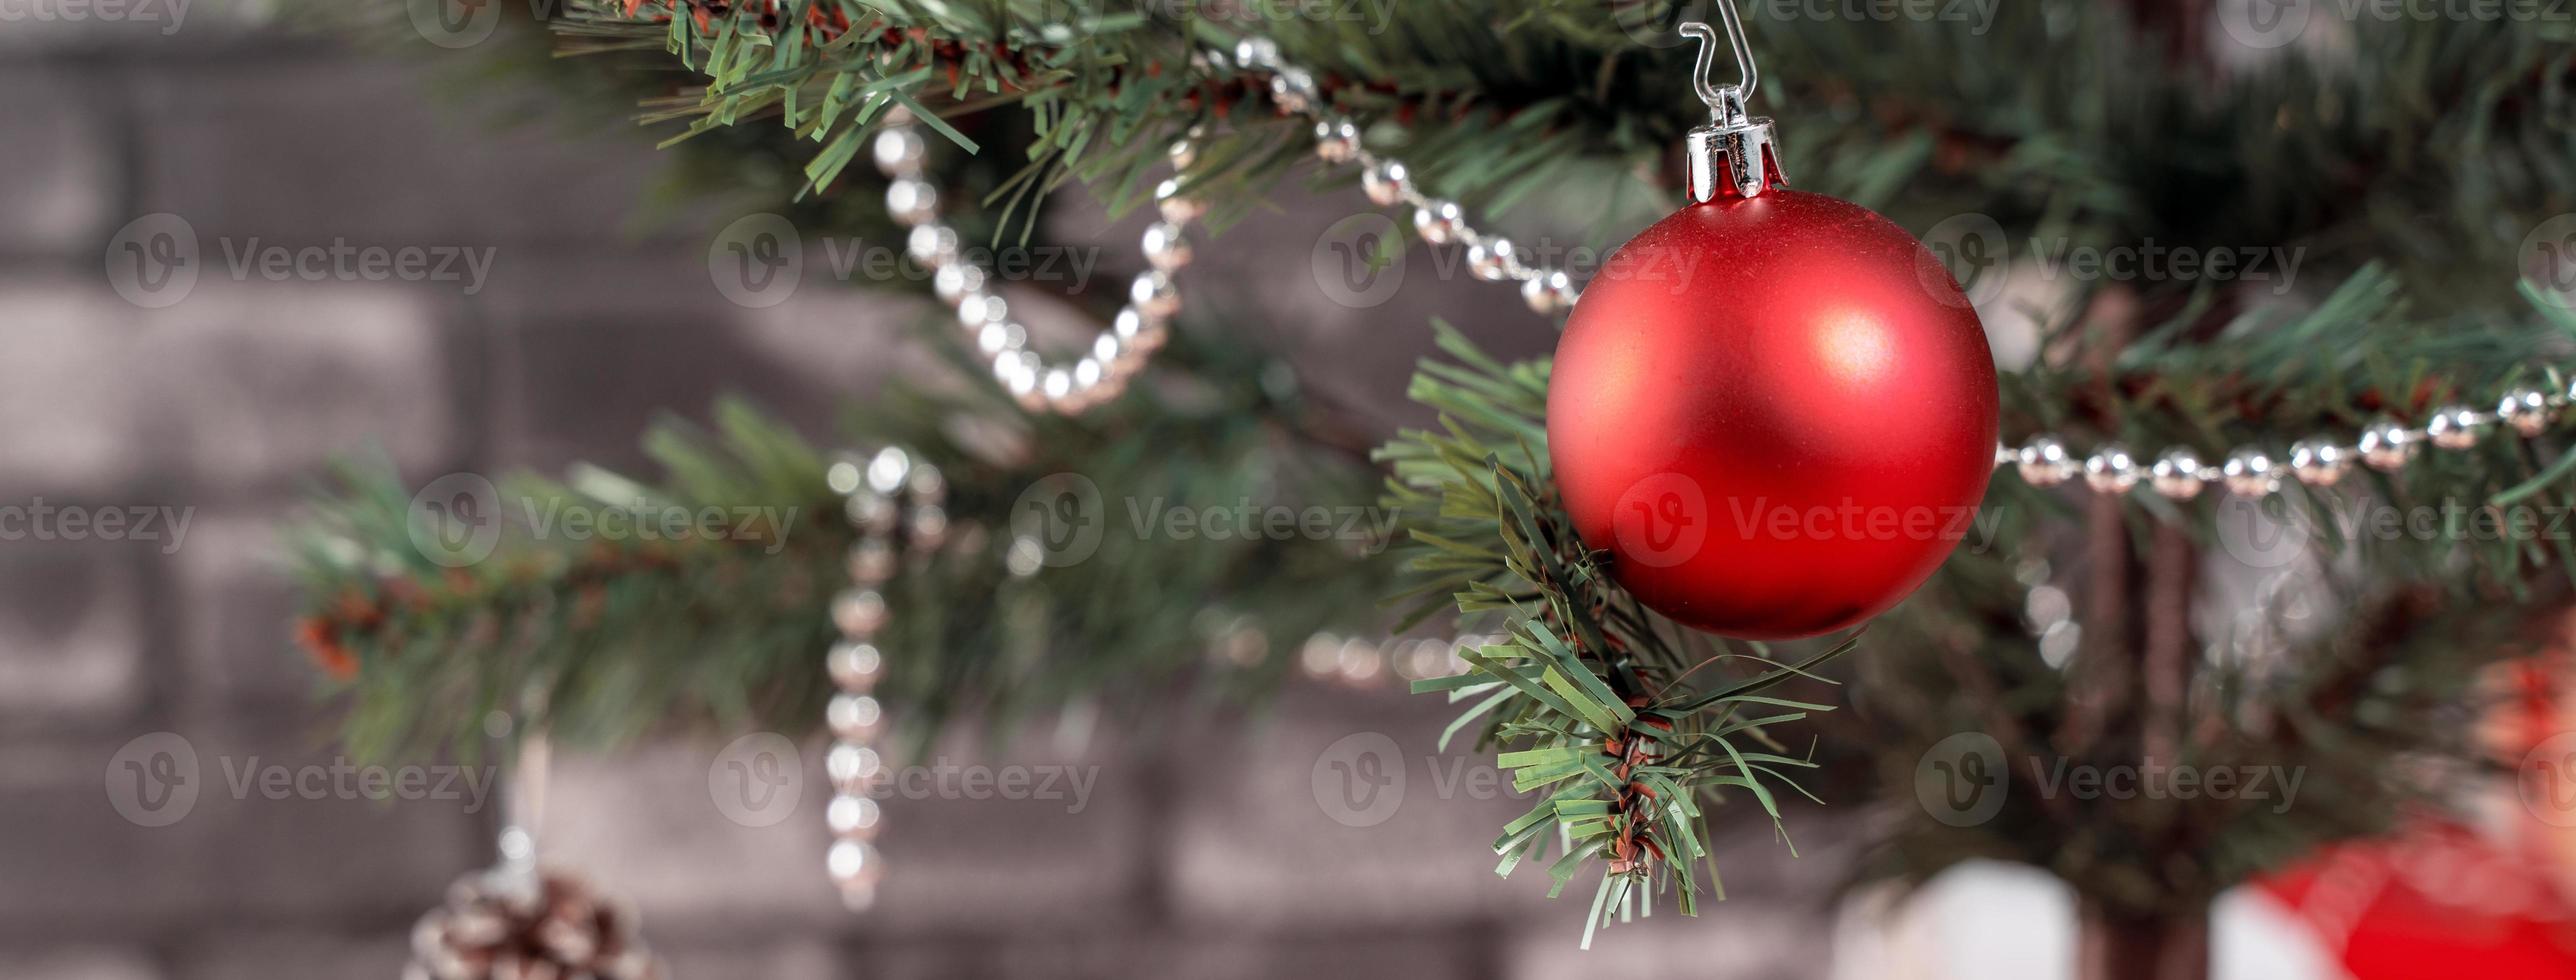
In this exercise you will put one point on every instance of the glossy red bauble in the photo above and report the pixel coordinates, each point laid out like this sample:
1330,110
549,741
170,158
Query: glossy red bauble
1777,415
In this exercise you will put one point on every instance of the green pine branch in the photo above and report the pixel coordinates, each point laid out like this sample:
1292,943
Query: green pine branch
623,632
1596,705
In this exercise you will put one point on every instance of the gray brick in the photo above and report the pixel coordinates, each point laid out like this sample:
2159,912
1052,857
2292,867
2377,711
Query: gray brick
646,824
1730,941
136,26
780,959
341,859
57,167
71,644
257,386
1255,846
1426,863
226,860
375,159
75,363
642,825
268,954
78,872
649,336
1033,863
238,603
1118,956
78,964
1428,954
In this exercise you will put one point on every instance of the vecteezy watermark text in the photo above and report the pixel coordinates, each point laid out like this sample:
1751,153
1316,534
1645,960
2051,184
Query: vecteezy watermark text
155,261
1963,780
2265,24
2276,530
1373,15
1979,14
155,780
342,779
170,14
1061,519
40,520
1362,260
1360,780
1666,519
1974,250
758,779
1243,520
457,520
760,259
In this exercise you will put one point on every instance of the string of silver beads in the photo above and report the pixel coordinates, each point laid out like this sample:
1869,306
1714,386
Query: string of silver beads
870,488
2386,445
1389,183
1116,356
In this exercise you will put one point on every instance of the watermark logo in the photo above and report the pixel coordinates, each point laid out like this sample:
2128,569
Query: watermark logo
455,521
1978,14
1973,250
1367,529
2265,24
2547,780
153,261
1658,25
2549,259
454,23
1962,781
1374,15
154,781
1062,517
2277,530
1661,521
760,260
757,780
1358,262
1965,255
458,519
757,260
167,13
2268,24
1358,780
2267,533
1061,520
156,260
43,520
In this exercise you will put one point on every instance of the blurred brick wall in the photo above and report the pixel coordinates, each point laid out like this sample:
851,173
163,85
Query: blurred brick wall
224,403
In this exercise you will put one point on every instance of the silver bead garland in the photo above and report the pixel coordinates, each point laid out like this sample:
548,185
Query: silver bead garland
870,488
1389,183
2177,473
1100,374
2385,445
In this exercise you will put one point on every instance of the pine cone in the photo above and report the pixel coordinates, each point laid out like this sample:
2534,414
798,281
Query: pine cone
528,925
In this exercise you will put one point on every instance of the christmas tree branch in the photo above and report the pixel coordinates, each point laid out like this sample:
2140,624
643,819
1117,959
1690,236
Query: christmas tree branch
725,620
1592,703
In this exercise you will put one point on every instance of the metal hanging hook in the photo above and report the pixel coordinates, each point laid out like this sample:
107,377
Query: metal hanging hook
1734,153
1701,82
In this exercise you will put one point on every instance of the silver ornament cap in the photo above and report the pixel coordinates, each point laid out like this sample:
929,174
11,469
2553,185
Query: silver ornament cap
1737,153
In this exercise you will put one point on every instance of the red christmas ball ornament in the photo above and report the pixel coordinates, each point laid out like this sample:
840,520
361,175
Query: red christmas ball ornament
1775,410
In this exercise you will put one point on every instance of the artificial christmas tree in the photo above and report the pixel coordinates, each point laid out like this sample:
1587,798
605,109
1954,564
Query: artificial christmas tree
2371,325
